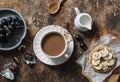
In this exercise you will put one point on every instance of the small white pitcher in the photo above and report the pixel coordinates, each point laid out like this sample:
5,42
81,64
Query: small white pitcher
83,21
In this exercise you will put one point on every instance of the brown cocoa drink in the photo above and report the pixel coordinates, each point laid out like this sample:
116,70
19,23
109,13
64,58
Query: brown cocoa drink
53,44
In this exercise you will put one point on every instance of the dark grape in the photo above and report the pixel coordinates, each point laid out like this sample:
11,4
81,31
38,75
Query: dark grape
6,28
2,31
1,36
0,25
9,20
17,24
13,24
11,27
15,19
4,22
82,45
79,38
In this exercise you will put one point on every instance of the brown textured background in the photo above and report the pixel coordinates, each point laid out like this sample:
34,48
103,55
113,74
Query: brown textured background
105,14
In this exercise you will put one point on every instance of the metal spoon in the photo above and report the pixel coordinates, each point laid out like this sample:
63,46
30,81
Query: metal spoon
54,6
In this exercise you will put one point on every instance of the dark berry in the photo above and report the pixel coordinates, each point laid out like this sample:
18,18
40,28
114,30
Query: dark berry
2,31
9,20
1,36
4,22
15,19
81,41
0,25
17,24
79,38
82,45
11,27
6,28
13,24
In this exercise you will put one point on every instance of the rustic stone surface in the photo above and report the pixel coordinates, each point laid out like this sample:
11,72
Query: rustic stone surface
105,14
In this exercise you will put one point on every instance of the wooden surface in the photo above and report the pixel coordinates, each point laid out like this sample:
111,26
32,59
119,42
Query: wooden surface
105,14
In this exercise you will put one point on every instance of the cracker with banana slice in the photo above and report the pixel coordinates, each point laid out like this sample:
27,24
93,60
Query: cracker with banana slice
102,59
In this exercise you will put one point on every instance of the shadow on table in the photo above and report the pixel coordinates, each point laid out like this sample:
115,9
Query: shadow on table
95,31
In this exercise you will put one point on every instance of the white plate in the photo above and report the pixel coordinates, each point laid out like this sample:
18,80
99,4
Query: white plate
39,53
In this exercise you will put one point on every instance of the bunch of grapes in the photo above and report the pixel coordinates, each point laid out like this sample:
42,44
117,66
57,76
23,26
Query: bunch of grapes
8,26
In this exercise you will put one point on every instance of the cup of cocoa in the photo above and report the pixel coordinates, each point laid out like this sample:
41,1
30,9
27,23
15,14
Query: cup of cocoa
54,45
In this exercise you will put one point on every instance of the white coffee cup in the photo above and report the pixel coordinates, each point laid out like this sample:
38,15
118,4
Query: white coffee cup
83,21
63,53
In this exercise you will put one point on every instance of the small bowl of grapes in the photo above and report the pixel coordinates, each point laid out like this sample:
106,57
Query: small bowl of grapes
12,29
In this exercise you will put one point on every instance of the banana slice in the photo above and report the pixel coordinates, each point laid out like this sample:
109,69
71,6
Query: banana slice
98,67
104,63
108,57
95,62
105,68
110,62
104,53
96,55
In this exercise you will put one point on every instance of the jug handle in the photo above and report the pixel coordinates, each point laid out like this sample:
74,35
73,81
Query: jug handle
76,11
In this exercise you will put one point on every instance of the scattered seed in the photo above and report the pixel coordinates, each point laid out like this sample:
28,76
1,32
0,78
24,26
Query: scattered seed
38,23
34,19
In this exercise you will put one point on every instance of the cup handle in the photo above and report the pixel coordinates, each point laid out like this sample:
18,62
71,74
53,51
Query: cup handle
76,10
66,55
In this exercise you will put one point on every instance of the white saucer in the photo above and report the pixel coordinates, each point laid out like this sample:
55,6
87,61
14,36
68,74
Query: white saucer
37,49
